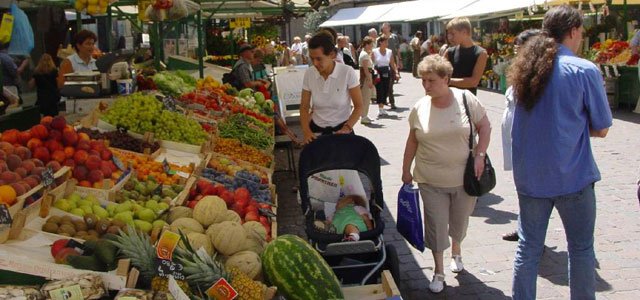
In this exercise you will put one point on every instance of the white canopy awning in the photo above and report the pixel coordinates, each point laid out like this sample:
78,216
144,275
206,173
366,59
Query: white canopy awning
358,15
481,8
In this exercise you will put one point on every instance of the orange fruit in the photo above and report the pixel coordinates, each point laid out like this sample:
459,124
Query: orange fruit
7,195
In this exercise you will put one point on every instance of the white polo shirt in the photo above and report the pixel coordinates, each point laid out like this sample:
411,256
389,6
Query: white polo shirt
330,98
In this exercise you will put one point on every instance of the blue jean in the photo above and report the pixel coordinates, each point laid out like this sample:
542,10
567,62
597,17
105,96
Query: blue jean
578,214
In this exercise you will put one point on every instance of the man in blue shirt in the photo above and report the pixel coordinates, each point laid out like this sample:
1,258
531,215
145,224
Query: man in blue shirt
561,103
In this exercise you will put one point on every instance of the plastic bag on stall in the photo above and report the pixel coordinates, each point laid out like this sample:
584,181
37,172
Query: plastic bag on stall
22,40
409,223
6,28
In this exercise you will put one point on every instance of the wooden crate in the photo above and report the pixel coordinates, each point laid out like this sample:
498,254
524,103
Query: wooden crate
107,192
18,206
244,164
384,290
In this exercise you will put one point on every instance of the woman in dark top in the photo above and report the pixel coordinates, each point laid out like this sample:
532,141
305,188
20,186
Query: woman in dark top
468,59
44,78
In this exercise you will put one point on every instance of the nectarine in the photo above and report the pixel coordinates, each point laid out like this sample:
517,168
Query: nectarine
80,156
24,137
10,136
95,176
54,165
42,153
58,123
40,131
23,152
69,137
58,156
13,161
34,143
93,162
80,172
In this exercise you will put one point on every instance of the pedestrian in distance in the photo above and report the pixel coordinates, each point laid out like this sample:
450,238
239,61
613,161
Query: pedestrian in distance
296,50
560,103
45,80
507,119
467,58
393,44
415,43
330,89
386,68
438,148
366,77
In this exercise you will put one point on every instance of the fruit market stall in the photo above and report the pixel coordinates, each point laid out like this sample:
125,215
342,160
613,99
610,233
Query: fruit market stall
620,70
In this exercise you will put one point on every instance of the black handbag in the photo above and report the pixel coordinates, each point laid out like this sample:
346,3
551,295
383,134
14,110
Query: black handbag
487,182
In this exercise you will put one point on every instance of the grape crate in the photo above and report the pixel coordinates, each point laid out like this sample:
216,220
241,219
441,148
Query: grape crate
252,182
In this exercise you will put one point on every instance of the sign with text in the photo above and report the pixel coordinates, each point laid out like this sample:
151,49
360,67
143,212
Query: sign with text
240,23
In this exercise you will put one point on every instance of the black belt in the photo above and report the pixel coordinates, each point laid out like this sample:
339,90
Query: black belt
325,130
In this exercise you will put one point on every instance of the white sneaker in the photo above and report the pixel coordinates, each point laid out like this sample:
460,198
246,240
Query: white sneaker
382,113
365,120
456,264
437,283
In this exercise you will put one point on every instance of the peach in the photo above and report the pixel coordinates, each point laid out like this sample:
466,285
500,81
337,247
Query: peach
10,136
55,135
23,152
37,162
84,183
19,188
28,165
3,155
97,145
46,120
54,165
26,186
70,163
83,145
3,166
69,151
113,166
32,181
93,162
24,137
58,123
7,147
53,145
40,131
42,153
13,161
95,176
37,171
69,137
9,177
106,154
34,143
94,152
21,171
80,156
84,136
58,156
106,170
80,172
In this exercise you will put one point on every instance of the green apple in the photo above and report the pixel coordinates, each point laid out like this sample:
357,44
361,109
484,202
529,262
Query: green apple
122,207
87,209
75,197
125,216
159,223
143,226
146,214
62,204
78,212
92,199
162,206
84,202
151,204
137,207
100,212
111,209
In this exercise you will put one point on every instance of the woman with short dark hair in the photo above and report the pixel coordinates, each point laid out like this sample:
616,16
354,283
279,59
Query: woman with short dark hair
330,89
82,61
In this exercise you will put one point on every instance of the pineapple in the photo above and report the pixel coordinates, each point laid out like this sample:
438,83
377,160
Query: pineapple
248,289
137,247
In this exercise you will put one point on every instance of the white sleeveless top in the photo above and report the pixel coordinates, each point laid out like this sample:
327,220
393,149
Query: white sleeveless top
382,60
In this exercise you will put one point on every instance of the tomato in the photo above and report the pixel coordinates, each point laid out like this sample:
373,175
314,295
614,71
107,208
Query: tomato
192,204
242,195
227,197
241,211
251,216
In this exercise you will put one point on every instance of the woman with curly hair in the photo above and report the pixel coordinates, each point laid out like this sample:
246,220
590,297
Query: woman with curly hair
560,103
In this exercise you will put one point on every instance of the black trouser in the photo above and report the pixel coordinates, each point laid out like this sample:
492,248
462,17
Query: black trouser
326,130
382,89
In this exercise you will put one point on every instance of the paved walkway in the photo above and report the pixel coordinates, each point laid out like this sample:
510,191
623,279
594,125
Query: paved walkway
488,259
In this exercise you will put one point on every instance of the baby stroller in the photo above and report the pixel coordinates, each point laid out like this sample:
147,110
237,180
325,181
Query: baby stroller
338,163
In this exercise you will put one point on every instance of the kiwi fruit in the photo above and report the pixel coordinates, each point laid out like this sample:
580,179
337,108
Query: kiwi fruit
119,224
90,220
80,225
81,234
102,226
50,227
113,229
54,219
68,229
66,219
91,237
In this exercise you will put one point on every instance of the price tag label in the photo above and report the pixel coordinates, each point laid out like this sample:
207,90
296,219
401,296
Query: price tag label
240,23
167,168
169,103
47,177
222,290
607,72
118,162
615,71
5,216
197,106
176,291
165,267
73,292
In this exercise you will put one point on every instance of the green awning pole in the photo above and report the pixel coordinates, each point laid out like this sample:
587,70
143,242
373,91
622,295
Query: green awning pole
200,46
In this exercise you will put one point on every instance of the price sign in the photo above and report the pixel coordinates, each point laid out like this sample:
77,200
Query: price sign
176,291
240,23
167,168
169,103
5,216
197,106
165,267
615,71
118,163
47,177
73,292
222,290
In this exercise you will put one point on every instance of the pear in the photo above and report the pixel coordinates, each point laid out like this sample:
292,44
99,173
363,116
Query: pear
62,204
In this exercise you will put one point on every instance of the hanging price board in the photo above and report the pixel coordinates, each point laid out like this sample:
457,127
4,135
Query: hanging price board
47,177
240,23
165,267
167,168
222,290
5,216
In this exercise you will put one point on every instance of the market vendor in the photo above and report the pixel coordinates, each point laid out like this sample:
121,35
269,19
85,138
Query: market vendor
243,71
81,61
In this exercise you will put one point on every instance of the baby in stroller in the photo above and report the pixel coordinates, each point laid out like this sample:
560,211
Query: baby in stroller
350,218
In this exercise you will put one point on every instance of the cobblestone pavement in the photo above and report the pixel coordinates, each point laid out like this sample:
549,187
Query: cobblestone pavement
488,259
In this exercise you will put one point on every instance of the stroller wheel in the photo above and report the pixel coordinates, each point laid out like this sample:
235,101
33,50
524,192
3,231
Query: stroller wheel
392,262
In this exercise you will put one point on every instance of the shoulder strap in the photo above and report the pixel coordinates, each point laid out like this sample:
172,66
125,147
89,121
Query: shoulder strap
466,111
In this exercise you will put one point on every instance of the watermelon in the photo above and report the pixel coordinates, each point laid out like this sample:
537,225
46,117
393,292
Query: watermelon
299,272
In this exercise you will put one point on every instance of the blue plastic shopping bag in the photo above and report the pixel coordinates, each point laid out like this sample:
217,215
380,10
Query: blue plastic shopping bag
409,217
22,40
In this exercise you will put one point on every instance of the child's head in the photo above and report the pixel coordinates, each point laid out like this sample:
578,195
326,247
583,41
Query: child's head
355,199
458,30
